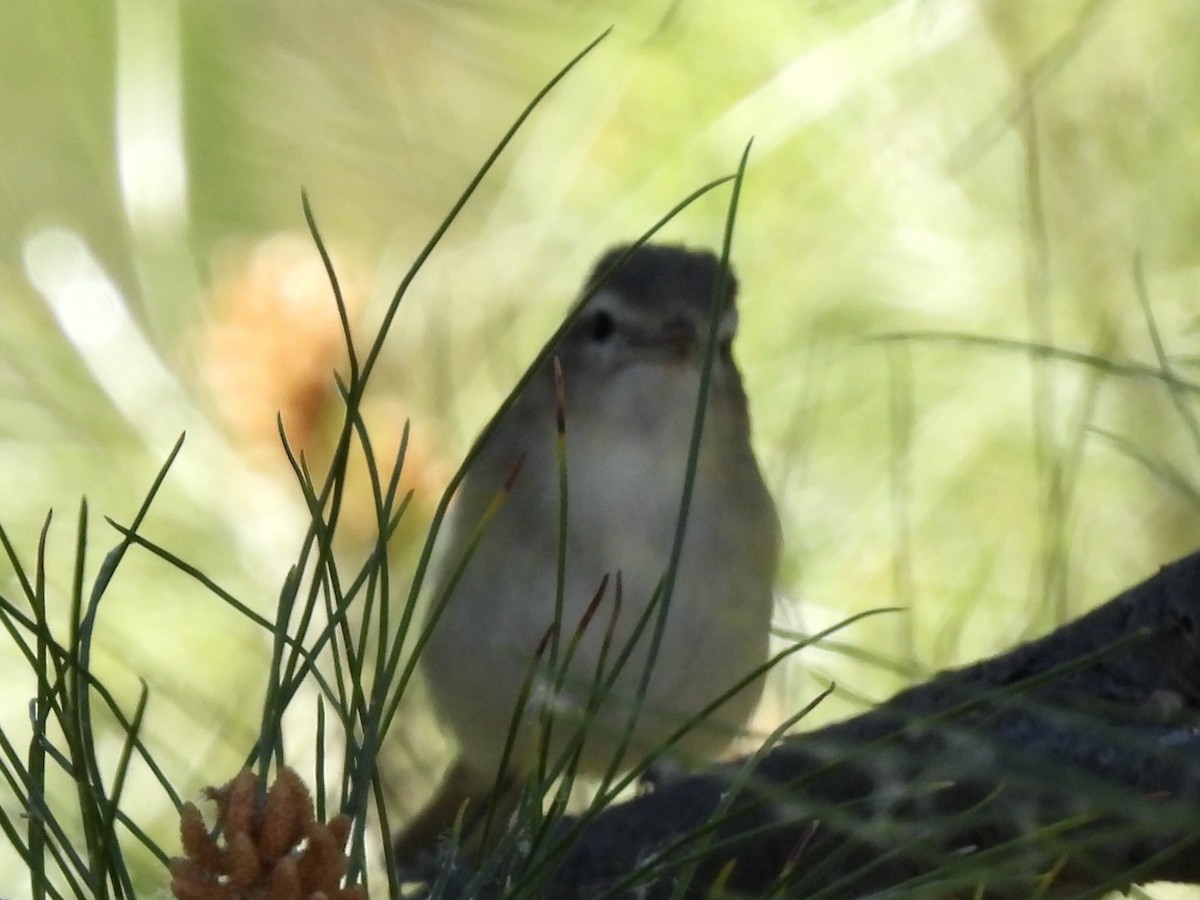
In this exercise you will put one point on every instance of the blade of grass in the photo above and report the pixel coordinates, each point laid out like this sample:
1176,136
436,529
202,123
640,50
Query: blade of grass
44,704
1101,363
1186,415
108,835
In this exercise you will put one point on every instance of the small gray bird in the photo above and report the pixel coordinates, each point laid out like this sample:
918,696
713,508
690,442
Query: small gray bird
631,365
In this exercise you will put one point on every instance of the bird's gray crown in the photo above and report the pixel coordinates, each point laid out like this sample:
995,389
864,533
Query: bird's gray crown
657,273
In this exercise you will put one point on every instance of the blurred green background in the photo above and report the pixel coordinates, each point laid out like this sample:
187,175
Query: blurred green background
1021,172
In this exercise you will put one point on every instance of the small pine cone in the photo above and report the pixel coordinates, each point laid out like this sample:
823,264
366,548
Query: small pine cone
238,805
285,882
199,847
322,864
339,826
288,813
245,868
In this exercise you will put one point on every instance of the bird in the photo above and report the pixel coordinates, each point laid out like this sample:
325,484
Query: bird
619,393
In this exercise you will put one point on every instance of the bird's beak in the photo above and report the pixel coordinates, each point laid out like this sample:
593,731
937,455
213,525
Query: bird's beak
677,335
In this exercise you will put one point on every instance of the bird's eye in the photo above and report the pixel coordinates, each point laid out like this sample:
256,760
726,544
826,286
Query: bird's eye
602,326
